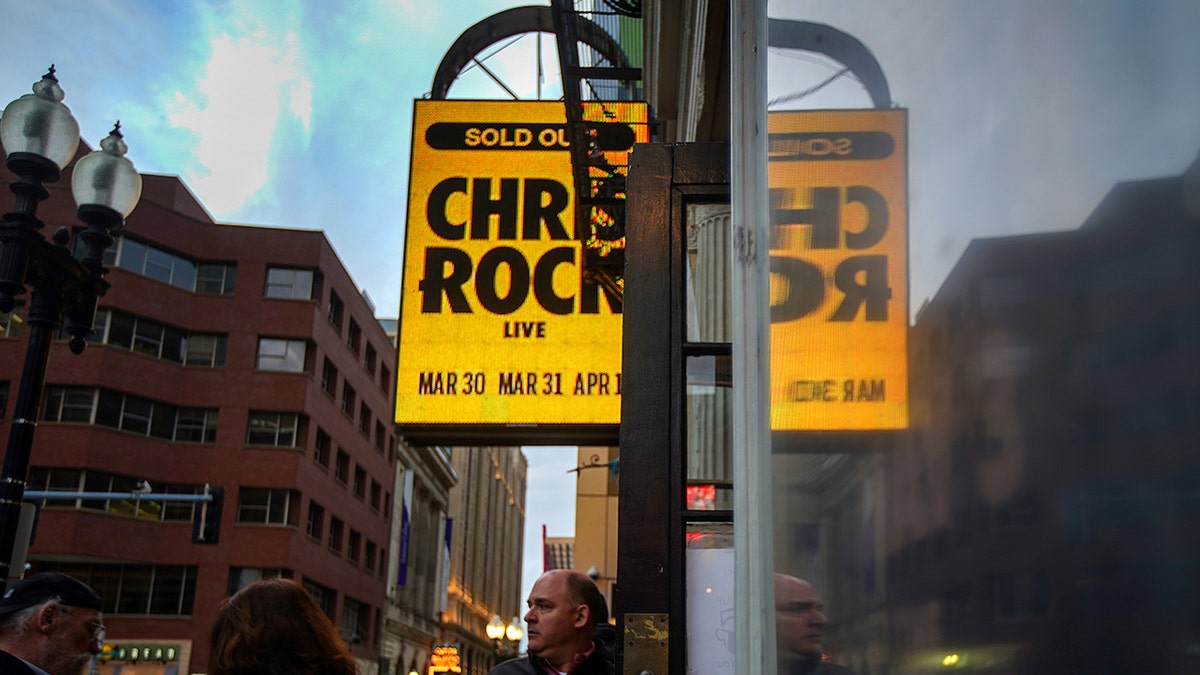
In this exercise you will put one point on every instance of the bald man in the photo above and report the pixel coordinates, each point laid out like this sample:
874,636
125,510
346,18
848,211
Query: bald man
800,627
564,606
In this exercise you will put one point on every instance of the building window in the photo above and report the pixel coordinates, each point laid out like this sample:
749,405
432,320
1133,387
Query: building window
382,561
364,419
324,595
136,589
281,355
348,398
321,448
369,555
265,506
385,379
10,322
329,377
196,425
316,520
354,546
205,350
360,482
216,278
69,404
118,329
341,470
1006,361
336,529
370,359
1003,291
354,619
380,434
241,577
273,428
290,284
376,491
336,309
140,335
149,261
354,337
1020,595
133,414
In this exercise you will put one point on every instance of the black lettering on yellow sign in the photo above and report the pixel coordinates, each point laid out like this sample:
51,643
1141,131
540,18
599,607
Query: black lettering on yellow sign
517,383
541,201
861,280
826,391
504,277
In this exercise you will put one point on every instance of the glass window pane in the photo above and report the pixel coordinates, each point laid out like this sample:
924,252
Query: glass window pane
709,432
710,597
707,273
133,255
136,583
183,274
158,264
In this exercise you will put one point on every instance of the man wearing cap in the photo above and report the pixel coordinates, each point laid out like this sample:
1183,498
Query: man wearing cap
50,624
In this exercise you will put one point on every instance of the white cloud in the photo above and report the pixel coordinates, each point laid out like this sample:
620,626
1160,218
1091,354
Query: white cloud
251,86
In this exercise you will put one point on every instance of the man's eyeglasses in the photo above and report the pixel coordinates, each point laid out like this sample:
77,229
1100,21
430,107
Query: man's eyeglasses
96,628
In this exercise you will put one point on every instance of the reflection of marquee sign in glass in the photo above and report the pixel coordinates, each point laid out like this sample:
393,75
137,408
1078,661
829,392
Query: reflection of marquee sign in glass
839,269
509,313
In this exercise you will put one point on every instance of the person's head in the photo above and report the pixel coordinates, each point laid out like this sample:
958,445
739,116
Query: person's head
563,608
52,621
273,627
799,620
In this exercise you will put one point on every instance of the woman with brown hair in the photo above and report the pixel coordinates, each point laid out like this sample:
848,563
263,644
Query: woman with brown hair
274,627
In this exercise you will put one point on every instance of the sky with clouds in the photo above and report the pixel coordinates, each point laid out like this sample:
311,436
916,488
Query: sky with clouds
297,113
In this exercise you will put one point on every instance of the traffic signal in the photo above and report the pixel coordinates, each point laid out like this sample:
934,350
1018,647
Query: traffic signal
206,529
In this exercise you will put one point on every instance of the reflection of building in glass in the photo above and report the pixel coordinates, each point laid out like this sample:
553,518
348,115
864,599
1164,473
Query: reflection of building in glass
1047,490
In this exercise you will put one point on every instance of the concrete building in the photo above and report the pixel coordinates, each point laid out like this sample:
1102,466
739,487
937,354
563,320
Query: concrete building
243,358
487,527
419,568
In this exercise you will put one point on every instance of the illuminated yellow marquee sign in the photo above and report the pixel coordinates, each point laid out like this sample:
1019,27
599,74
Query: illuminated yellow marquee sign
502,321
839,269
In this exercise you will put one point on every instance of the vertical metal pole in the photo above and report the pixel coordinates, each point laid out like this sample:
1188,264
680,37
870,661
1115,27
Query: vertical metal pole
44,309
754,652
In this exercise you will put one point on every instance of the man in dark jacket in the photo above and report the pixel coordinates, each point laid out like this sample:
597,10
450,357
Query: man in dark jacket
800,627
49,623
563,608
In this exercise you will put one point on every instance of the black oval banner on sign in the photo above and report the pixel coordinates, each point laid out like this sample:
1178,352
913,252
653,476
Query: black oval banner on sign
829,146
507,136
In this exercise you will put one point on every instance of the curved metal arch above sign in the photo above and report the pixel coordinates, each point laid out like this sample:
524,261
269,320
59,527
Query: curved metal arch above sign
838,45
509,23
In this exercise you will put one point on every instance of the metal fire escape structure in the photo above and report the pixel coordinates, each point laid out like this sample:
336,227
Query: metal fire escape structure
599,186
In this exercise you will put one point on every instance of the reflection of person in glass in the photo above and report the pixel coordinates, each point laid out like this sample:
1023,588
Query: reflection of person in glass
800,629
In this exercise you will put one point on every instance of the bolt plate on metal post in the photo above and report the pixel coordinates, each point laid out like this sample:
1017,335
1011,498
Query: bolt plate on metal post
647,637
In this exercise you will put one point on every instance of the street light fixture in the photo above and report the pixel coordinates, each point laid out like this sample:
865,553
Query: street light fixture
497,630
40,137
